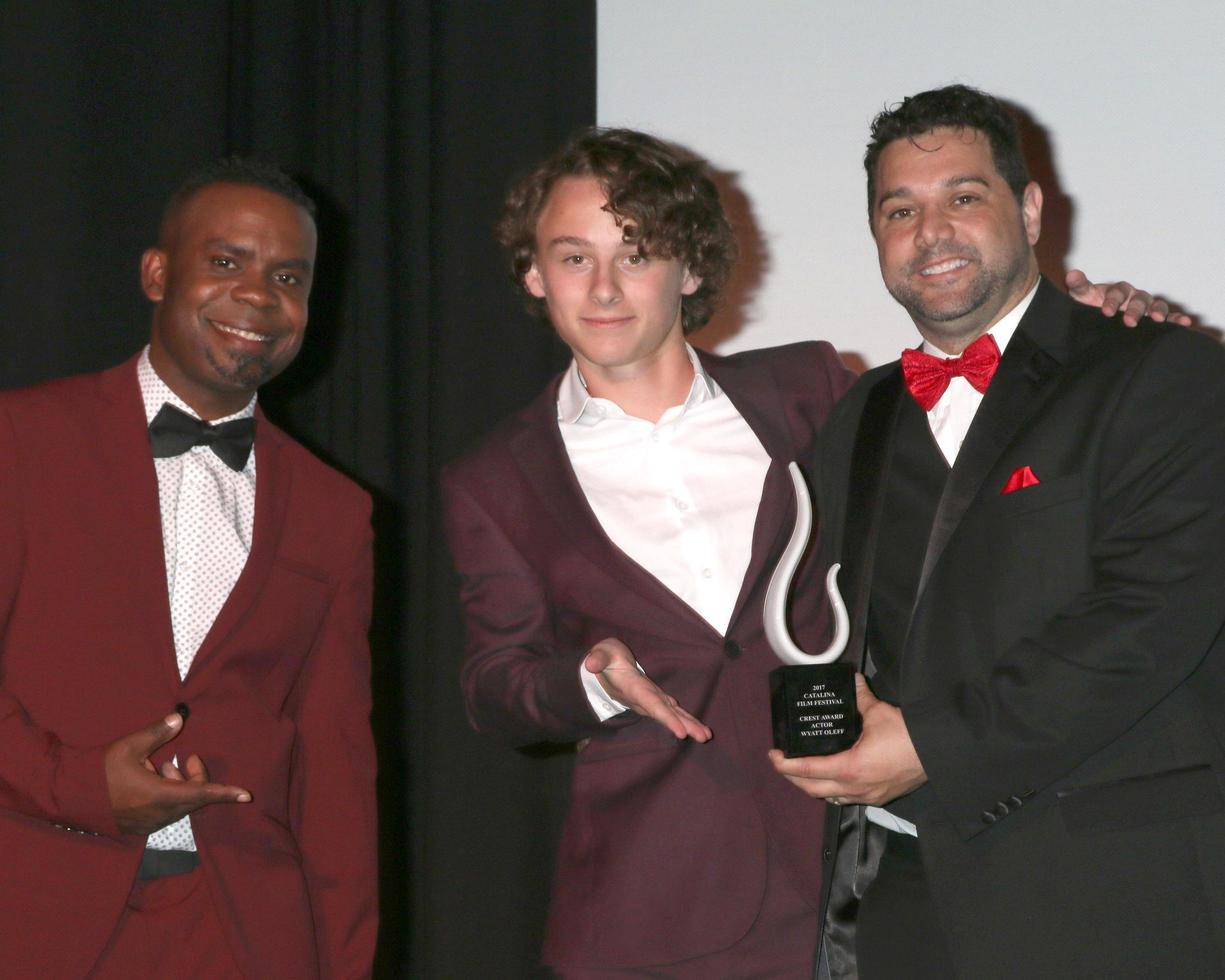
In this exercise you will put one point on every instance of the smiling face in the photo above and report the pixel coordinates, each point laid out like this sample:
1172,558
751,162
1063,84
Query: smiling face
955,246
618,311
230,278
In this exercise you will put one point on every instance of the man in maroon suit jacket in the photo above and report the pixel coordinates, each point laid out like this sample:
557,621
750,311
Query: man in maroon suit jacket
101,548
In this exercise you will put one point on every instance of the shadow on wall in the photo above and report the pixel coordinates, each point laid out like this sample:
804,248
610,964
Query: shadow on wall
749,272
1059,211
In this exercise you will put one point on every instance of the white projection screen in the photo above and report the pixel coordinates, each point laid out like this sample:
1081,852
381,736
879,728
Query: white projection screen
1127,101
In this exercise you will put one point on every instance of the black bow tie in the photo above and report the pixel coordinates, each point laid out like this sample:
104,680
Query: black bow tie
172,433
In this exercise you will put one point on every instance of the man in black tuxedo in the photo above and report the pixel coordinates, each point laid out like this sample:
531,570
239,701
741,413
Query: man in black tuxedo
1034,557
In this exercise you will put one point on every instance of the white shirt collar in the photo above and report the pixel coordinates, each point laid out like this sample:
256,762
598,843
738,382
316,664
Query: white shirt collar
156,393
1002,331
577,406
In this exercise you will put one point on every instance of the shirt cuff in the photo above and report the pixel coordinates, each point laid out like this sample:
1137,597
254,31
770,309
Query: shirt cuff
605,707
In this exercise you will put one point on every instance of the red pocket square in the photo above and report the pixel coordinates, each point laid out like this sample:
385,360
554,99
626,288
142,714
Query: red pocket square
1020,479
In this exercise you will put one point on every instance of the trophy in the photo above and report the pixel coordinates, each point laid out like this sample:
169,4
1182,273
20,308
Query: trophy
812,698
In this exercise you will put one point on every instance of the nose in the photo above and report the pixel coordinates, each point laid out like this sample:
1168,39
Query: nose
605,288
253,290
933,226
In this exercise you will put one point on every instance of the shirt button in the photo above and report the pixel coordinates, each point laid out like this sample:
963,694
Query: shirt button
681,505
731,648
654,437
707,573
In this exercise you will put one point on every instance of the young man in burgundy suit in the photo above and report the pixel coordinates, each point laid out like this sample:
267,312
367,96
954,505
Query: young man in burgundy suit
186,765
614,542
1034,550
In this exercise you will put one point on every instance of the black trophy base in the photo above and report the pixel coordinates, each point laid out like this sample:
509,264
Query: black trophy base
813,709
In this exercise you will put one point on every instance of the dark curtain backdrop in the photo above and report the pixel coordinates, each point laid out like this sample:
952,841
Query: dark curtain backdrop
407,119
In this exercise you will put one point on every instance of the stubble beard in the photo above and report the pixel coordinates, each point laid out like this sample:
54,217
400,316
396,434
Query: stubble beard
243,370
955,320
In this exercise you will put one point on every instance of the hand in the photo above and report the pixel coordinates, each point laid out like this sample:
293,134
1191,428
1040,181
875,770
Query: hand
144,800
880,767
611,661
1135,303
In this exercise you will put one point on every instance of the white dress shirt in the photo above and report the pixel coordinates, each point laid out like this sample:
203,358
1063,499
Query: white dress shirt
678,496
208,517
950,420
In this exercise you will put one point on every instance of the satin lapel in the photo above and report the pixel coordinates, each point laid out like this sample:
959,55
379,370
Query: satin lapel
540,454
864,496
273,487
1021,385
757,399
132,502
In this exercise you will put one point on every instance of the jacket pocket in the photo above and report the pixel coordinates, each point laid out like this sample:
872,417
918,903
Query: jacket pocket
1140,800
1048,493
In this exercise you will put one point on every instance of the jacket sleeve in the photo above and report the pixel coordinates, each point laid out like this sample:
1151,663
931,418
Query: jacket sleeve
517,684
40,775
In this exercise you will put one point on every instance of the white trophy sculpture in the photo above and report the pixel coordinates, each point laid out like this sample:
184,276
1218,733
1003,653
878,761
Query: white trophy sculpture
812,697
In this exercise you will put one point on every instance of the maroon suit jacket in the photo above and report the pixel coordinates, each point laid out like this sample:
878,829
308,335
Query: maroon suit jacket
279,692
664,851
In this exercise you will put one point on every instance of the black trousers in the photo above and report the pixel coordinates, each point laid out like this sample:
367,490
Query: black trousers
897,936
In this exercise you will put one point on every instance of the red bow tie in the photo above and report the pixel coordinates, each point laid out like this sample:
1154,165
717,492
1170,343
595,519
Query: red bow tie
927,377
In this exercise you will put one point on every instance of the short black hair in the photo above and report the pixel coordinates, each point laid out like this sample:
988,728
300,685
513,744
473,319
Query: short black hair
662,197
954,107
248,171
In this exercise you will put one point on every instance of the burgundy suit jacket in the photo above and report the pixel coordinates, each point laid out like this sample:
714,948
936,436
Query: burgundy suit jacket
664,850
279,692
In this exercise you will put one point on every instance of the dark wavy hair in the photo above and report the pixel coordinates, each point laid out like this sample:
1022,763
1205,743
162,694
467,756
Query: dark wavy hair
662,198
956,107
248,171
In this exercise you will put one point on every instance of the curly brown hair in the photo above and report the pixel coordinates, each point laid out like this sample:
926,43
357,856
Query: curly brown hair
662,198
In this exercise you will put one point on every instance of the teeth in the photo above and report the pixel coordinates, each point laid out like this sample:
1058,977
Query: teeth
239,332
948,266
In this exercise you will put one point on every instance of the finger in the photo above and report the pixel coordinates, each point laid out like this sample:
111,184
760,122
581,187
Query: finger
195,769
694,727
1159,310
146,740
1137,305
1117,297
1077,282
170,771
192,795
1182,319
864,698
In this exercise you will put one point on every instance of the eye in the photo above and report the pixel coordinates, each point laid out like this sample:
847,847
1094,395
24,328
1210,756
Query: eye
288,279
635,258
223,262
965,199
575,260
898,213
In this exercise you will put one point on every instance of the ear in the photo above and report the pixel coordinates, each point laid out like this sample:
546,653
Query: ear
690,284
153,274
533,283
1031,211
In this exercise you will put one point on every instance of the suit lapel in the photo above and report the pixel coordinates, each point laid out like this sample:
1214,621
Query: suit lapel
540,454
273,487
1021,385
757,400
123,441
870,461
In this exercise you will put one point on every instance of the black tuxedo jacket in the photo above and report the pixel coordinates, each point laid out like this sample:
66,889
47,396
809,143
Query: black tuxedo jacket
664,850
1063,678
